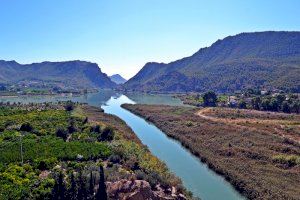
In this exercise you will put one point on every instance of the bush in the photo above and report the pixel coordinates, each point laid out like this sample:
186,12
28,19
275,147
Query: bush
114,158
106,135
44,164
62,134
95,129
69,106
210,99
26,127
290,160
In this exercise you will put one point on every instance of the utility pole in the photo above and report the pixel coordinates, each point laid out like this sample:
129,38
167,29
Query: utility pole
21,149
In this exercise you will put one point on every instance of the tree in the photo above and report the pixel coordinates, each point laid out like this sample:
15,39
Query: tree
59,189
286,107
210,99
280,98
82,191
274,104
101,193
256,101
72,192
95,129
62,134
69,106
265,104
242,104
107,134
86,120
91,186
26,127
71,127
295,107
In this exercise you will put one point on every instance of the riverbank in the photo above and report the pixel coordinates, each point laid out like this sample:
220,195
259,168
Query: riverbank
256,157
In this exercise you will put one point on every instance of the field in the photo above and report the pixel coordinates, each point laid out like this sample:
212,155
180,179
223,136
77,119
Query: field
257,152
54,151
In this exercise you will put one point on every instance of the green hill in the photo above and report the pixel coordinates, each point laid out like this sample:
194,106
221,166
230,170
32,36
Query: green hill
73,74
257,60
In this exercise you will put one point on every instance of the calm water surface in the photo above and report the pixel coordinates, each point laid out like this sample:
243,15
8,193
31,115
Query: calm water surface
196,177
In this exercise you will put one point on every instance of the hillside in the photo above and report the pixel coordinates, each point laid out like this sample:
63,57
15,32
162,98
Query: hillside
261,59
118,79
69,74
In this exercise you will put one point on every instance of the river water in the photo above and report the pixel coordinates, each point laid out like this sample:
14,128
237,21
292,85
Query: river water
195,175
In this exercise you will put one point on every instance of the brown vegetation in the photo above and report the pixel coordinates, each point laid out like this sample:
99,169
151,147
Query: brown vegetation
257,152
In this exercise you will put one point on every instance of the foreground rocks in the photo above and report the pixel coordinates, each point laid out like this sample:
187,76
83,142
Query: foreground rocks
140,190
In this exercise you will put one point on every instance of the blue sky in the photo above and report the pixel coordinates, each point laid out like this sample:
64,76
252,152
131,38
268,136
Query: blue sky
122,35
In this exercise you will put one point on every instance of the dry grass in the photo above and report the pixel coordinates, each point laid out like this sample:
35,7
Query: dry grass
243,145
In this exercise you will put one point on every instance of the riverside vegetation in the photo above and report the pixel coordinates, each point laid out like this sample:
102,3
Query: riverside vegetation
75,151
257,152
248,99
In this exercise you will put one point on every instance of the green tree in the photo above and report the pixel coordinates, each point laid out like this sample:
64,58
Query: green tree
69,106
295,107
210,99
82,191
59,189
72,127
91,186
256,103
72,192
274,104
286,107
280,98
26,127
95,129
62,134
101,193
265,104
242,104
107,134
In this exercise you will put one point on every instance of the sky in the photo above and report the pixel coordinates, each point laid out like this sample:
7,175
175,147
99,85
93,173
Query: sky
122,35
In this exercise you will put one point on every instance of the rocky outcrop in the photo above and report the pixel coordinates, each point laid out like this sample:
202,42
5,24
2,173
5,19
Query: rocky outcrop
139,190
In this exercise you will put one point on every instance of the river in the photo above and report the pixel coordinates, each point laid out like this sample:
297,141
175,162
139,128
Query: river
195,175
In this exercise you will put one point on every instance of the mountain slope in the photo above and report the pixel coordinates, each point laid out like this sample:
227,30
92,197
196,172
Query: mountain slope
76,74
118,79
261,59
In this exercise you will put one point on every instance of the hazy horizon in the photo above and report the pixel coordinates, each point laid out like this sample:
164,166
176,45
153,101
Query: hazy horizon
122,37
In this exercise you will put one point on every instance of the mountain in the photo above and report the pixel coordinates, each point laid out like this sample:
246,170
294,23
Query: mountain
118,79
72,74
247,60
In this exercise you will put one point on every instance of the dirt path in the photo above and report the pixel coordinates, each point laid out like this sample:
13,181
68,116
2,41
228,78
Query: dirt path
271,124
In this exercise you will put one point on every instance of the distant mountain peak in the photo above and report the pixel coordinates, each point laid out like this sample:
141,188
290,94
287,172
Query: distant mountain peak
117,78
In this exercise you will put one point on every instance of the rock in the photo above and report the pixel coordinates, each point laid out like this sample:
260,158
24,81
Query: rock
137,190
44,174
181,197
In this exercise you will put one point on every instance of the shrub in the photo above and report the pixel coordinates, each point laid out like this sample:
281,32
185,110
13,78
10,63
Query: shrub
107,134
43,164
69,106
95,129
290,160
114,158
210,99
62,134
26,127
86,120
